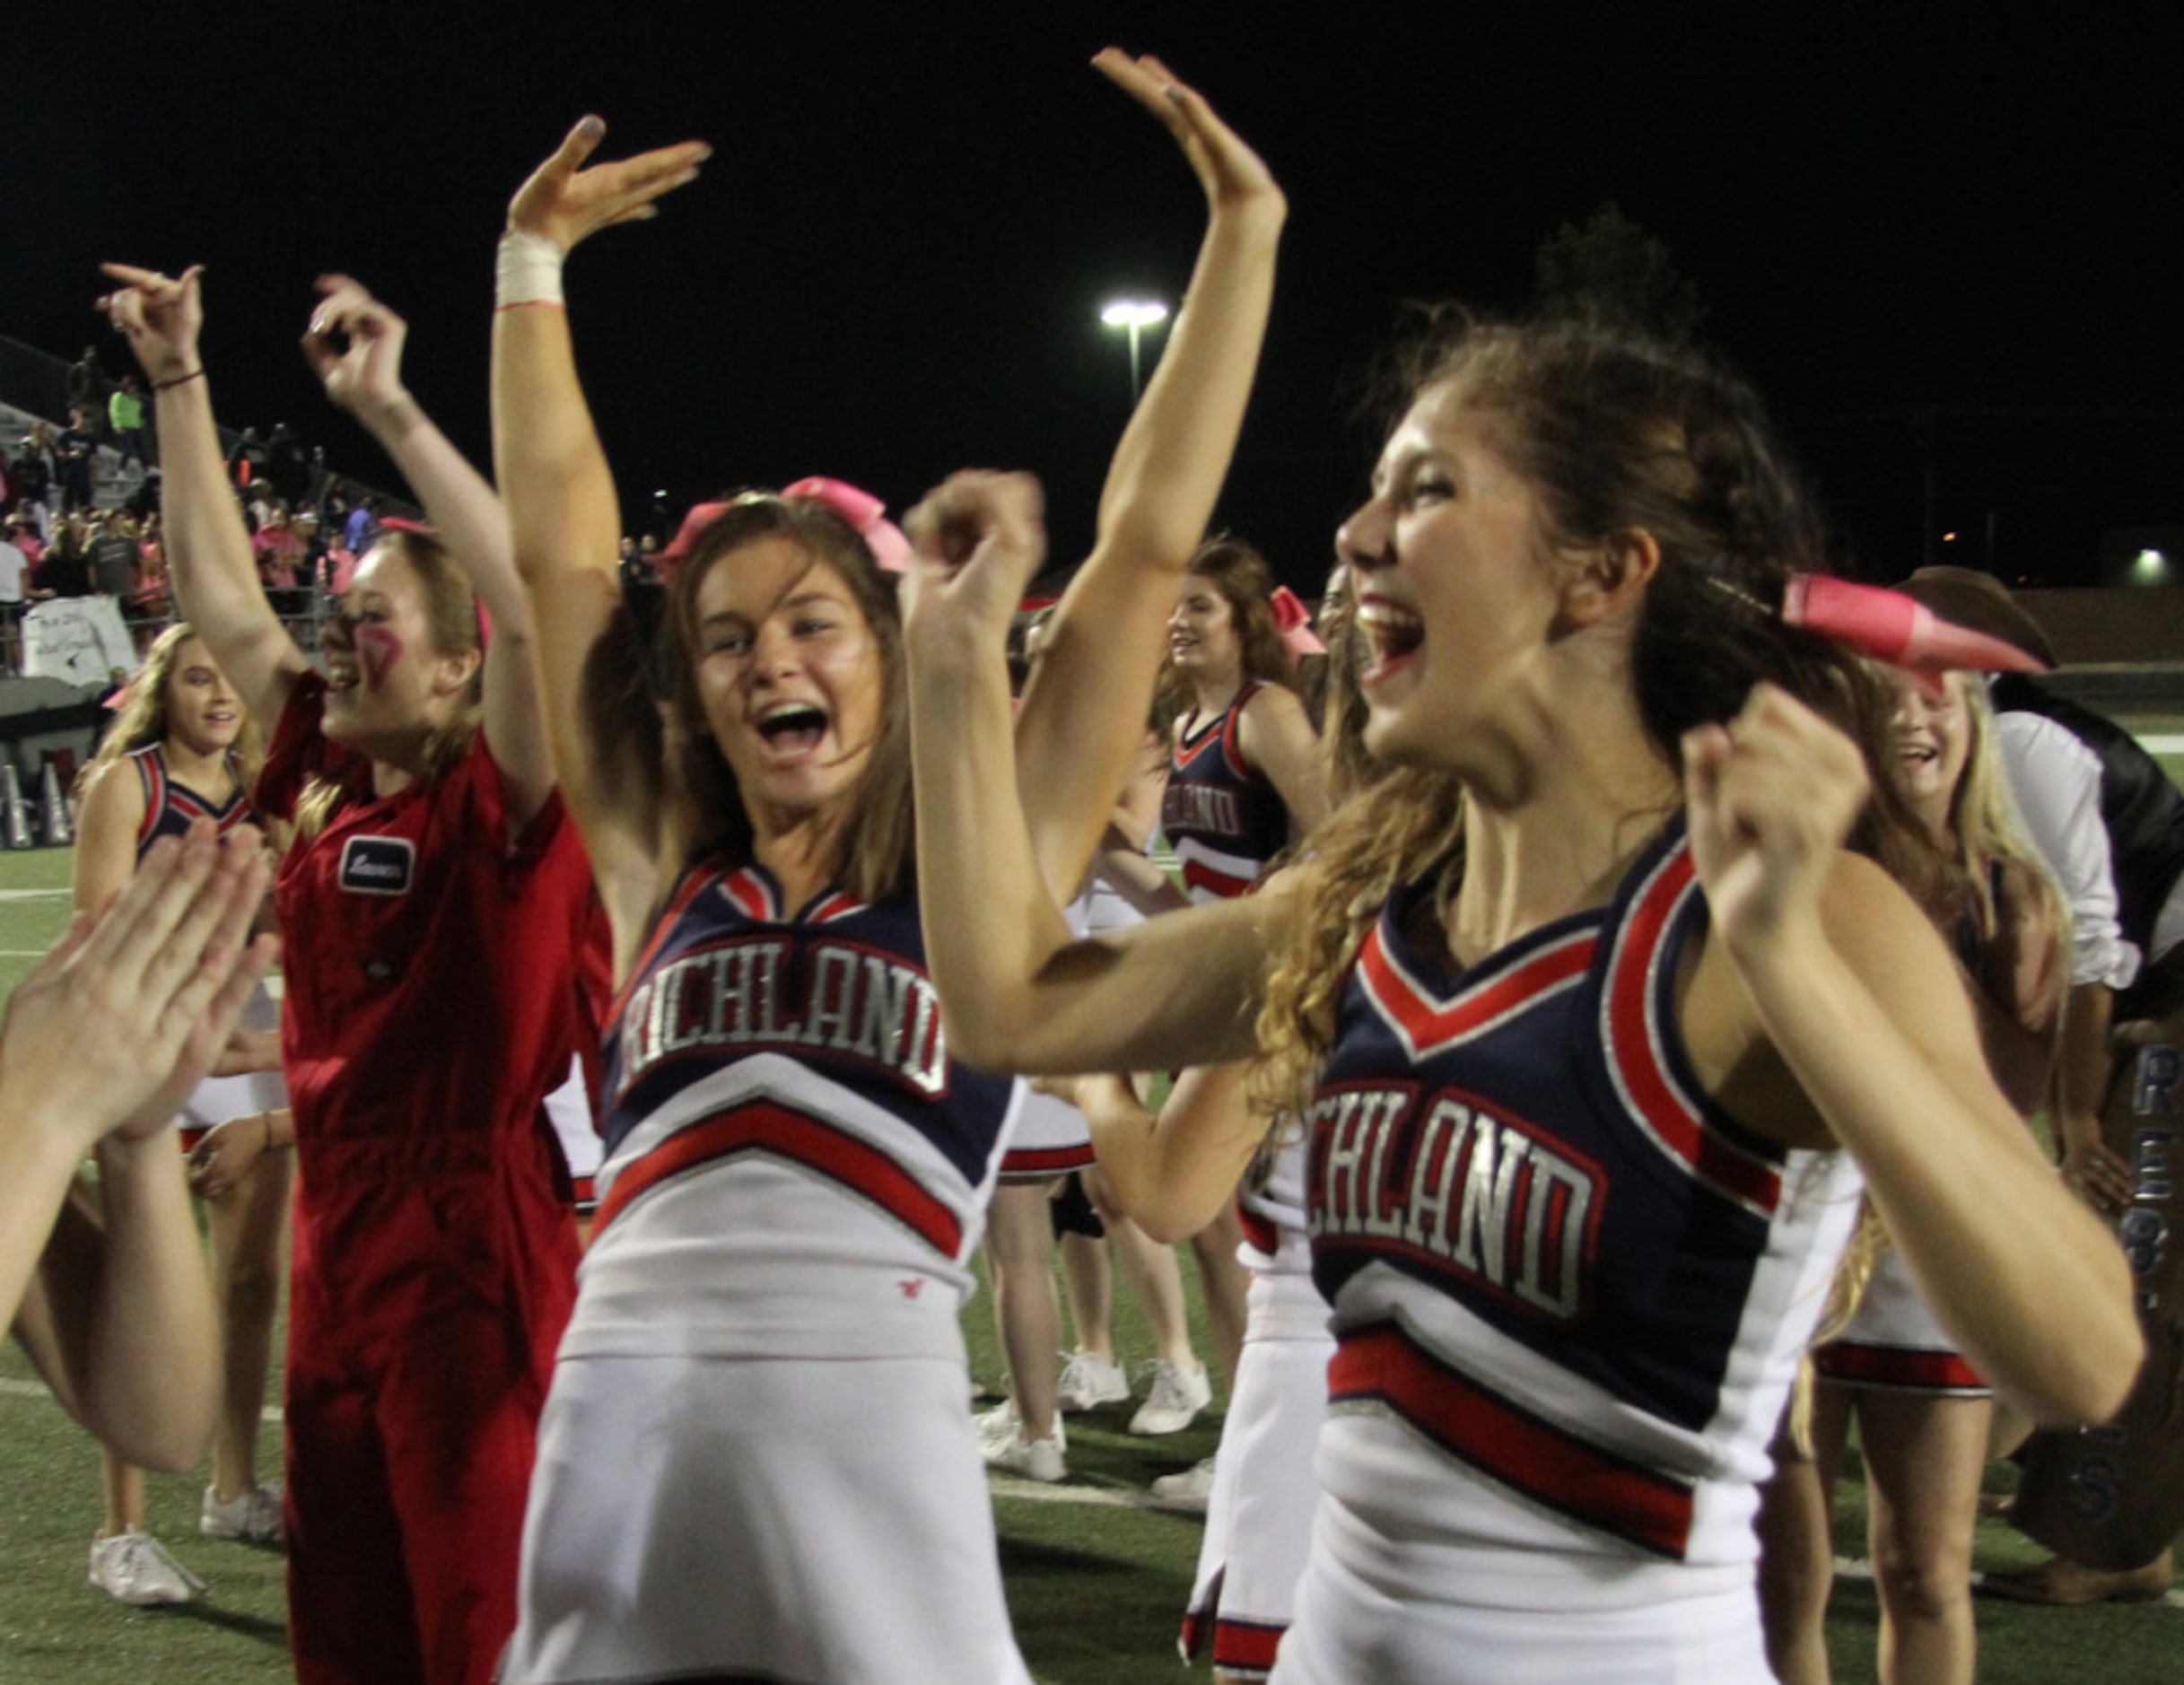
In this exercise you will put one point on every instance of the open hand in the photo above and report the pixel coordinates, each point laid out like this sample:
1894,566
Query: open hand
116,1025
564,202
1233,175
160,317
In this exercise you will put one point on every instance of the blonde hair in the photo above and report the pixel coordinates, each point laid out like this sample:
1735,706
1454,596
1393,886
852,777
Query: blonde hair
143,720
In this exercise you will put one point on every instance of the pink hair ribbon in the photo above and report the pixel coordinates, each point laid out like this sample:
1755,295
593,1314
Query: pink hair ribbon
1892,627
865,515
1293,620
860,511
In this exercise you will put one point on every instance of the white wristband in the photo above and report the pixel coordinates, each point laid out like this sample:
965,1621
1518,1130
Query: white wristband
527,271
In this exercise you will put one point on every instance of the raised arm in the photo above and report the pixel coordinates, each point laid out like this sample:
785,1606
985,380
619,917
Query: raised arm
1016,992
207,547
1857,997
1083,711
355,346
100,1045
563,513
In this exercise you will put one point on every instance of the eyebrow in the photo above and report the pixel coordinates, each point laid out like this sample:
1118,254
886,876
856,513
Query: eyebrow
802,599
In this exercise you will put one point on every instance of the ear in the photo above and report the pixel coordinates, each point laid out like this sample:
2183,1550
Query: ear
1607,584
452,673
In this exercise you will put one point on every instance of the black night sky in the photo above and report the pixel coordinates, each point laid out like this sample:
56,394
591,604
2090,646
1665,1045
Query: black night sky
1948,246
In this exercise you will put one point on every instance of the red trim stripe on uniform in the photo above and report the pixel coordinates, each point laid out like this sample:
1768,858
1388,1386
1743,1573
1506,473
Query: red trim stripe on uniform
1246,1647
1428,1027
1260,1231
835,904
151,772
1907,1367
1500,1438
688,891
1028,1162
1197,875
762,1126
1635,1051
751,893
1232,737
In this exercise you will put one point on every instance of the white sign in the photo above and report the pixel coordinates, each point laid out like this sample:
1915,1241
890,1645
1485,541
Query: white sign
78,640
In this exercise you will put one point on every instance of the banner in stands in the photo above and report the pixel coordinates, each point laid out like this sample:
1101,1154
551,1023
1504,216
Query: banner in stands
79,639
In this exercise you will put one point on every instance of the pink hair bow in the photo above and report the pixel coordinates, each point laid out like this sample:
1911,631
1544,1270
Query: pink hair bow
860,511
1892,627
865,514
1293,620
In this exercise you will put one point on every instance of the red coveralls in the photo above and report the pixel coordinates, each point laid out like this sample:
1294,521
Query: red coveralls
429,1010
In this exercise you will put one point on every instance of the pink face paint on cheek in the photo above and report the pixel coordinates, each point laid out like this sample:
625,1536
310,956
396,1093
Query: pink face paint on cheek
378,650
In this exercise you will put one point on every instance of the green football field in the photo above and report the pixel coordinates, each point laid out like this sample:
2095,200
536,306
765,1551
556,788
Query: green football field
1096,1580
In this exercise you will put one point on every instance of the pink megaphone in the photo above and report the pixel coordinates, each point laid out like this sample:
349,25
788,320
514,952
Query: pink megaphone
1892,627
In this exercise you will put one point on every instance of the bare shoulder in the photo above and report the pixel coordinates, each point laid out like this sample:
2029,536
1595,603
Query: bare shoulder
1886,941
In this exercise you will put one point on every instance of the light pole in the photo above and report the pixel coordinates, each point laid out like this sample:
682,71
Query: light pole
1134,315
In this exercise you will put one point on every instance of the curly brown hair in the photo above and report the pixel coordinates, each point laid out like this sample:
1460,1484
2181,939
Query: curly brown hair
1613,433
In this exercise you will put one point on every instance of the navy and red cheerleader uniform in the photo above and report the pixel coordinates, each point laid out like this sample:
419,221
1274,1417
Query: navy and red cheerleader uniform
429,1008
756,1461
1223,818
1570,1294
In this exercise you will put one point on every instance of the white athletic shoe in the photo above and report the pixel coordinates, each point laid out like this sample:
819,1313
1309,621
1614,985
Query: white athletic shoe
1176,1397
1033,1459
252,1516
1192,1490
997,1424
1088,1381
135,1569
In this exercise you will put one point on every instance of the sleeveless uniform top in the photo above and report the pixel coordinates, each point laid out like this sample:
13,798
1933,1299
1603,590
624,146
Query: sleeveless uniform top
2141,809
1219,814
795,1167
1570,1293
171,806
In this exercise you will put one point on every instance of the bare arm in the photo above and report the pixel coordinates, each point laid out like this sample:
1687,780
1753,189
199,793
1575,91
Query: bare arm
1276,736
2084,1067
107,817
1858,997
1174,1173
562,512
214,576
1083,711
364,377
100,1043
1016,992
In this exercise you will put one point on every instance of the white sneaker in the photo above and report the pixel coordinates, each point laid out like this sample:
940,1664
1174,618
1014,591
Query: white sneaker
1033,1459
1176,1397
1088,1381
252,1516
1192,1490
997,1424
135,1569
